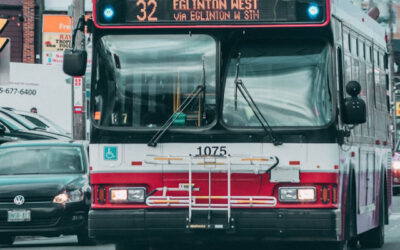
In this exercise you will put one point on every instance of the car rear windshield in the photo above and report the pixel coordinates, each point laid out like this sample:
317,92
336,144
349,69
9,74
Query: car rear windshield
41,160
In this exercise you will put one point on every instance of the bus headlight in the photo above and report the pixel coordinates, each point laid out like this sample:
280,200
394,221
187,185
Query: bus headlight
396,165
127,195
287,194
297,194
136,195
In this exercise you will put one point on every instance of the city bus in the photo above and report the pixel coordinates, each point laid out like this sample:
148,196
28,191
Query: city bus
246,120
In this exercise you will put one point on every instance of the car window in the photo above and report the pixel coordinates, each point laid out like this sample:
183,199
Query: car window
43,122
19,119
10,123
41,160
36,122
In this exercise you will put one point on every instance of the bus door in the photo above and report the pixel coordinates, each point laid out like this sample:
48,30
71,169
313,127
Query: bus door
371,181
366,181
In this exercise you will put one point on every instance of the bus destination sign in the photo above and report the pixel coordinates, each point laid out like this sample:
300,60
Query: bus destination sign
214,12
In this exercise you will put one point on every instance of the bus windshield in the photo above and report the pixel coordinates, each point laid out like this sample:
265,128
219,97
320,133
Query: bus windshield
288,80
142,80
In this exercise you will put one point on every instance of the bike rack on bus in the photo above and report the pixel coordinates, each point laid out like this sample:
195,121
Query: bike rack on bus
212,164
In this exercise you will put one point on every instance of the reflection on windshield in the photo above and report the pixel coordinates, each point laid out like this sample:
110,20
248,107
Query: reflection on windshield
143,79
9,122
287,80
41,160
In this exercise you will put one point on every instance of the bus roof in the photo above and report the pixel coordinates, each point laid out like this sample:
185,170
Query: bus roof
359,21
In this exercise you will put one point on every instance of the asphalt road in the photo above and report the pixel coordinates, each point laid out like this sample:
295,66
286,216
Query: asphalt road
392,241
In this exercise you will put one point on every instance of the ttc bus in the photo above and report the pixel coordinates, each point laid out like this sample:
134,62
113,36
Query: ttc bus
238,119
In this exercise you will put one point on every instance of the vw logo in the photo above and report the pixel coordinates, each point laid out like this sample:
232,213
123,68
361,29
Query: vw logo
19,200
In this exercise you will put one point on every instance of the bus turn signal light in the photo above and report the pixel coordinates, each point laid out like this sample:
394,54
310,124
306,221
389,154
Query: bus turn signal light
334,194
101,195
325,194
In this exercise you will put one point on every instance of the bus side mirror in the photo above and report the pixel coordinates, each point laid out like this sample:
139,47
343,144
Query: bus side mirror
75,61
354,111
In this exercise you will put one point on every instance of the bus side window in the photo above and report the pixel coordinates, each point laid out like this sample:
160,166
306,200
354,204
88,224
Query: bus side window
347,70
370,91
346,41
363,82
353,45
376,80
355,71
382,81
386,63
361,49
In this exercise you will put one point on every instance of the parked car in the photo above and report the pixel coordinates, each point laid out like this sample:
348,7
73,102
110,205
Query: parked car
40,121
4,139
44,189
28,124
11,128
396,169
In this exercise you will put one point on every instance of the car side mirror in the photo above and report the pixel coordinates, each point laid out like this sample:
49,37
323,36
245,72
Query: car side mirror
2,129
75,61
354,111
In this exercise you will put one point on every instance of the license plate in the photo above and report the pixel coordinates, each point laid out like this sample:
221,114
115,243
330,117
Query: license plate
19,215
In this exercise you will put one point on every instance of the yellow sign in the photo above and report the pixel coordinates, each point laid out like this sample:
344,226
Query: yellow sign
397,108
3,24
3,40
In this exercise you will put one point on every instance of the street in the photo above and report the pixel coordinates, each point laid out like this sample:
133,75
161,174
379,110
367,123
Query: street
70,242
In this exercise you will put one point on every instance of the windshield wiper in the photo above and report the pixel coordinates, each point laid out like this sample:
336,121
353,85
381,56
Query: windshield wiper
246,95
39,128
198,90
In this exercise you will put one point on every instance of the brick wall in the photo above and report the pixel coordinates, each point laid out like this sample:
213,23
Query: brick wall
28,10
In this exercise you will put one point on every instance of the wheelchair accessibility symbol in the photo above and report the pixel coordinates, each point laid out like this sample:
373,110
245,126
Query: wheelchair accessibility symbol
110,153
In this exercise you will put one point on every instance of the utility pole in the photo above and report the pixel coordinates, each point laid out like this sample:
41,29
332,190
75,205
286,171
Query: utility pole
78,83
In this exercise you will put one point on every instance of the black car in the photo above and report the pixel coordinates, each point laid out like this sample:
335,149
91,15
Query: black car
44,189
11,128
4,139
28,125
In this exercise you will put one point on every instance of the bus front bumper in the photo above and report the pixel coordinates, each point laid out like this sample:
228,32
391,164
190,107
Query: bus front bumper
252,224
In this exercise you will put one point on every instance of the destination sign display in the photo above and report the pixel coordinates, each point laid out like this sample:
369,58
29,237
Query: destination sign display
209,12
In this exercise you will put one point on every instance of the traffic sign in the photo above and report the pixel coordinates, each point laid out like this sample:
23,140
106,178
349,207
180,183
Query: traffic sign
3,40
397,108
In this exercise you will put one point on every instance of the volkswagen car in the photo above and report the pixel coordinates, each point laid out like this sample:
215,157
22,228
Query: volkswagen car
44,189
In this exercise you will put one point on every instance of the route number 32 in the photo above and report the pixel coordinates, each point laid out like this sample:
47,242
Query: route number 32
145,5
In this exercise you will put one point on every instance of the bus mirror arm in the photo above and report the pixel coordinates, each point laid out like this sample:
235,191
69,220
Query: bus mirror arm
343,133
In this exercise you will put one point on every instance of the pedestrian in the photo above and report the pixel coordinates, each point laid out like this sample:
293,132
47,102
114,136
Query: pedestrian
33,110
